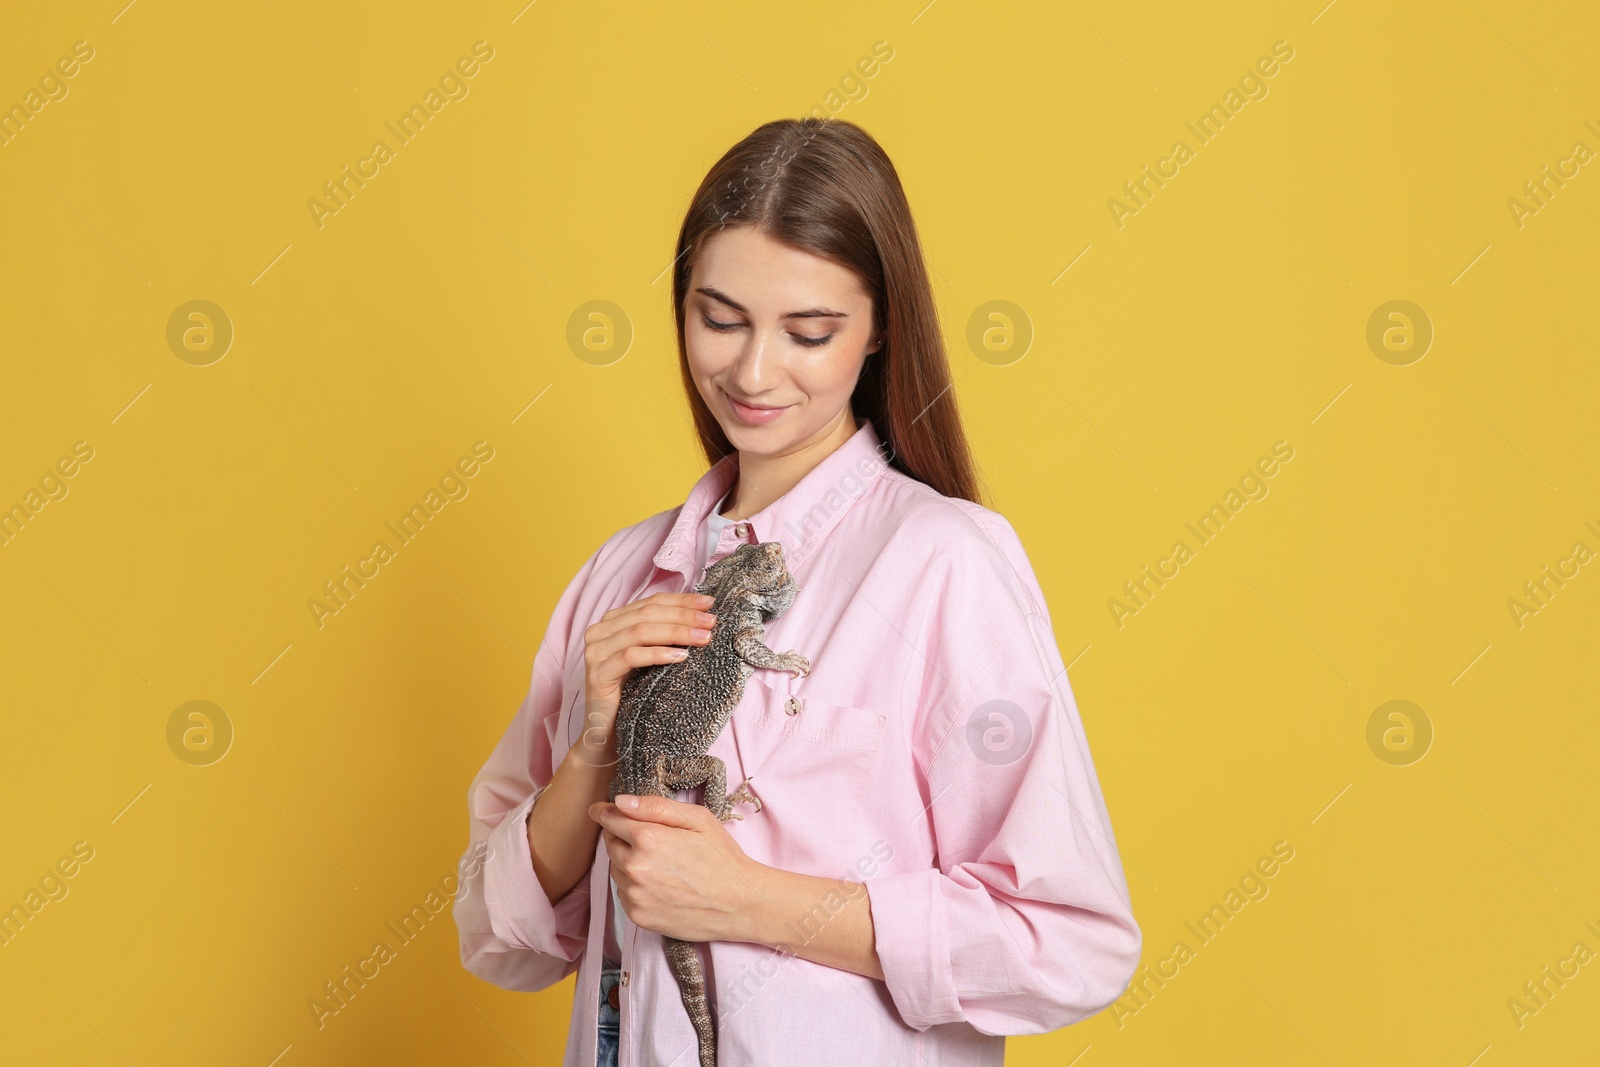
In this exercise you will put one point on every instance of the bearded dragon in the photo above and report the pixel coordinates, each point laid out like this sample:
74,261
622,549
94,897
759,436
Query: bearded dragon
670,713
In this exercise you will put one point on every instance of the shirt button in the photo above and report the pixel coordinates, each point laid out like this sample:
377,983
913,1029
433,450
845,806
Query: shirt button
612,998
792,706
624,977
742,529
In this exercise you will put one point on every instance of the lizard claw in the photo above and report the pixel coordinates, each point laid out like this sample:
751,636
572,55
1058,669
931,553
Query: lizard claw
794,661
742,793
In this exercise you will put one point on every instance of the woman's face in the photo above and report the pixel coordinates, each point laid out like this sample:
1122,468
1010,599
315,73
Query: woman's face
781,330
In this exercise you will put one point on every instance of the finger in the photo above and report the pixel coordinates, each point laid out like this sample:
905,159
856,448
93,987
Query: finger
615,650
606,676
661,626
658,616
665,811
612,821
619,850
692,601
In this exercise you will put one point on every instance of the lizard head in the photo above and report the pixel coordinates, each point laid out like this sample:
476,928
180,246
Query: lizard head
755,573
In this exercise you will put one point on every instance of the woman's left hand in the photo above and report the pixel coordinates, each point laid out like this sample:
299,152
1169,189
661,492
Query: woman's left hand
678,870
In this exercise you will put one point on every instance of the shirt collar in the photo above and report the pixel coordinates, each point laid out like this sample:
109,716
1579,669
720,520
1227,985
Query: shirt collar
798,520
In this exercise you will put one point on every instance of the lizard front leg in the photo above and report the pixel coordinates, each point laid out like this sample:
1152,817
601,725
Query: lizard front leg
748,644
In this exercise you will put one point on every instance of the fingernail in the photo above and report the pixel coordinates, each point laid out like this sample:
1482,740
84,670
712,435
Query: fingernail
678,653
699,634
708,618
627,802
706,599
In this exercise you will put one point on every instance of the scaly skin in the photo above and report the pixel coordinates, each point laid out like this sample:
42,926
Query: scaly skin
670,713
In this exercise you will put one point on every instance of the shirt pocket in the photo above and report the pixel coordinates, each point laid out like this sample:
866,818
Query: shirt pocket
806,751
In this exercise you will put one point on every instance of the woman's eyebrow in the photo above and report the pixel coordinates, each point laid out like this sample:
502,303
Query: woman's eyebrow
809,313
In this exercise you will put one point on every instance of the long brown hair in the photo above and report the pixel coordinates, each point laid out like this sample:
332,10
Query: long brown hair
825,186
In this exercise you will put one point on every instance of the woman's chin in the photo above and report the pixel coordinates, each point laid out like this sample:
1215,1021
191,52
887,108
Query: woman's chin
753,440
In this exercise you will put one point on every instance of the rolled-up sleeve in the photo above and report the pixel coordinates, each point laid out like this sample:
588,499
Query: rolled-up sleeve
1023,924
510,933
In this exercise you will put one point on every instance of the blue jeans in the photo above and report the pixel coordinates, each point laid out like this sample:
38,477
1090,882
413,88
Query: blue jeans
610,1018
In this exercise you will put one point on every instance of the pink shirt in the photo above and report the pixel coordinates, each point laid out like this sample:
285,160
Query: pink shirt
934,753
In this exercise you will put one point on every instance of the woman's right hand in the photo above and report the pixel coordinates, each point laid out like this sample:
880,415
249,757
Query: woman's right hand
561,835
650,630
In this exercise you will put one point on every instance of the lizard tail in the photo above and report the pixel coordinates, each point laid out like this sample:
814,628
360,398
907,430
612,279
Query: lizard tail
685,966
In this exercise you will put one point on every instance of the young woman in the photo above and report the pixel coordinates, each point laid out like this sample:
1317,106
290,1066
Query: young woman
931,866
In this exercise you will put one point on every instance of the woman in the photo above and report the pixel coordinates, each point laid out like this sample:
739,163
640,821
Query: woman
930,866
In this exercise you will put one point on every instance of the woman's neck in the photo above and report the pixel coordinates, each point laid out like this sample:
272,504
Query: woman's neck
763,479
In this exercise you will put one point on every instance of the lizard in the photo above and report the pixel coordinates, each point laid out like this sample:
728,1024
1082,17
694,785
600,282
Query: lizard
669,714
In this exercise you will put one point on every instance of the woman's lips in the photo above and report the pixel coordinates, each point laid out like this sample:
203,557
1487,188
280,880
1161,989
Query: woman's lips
754,416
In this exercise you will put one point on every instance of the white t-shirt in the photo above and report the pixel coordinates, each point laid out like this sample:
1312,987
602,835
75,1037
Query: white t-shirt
712,531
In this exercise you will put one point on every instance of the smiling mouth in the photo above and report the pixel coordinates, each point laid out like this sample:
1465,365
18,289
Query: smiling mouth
754,414
756,407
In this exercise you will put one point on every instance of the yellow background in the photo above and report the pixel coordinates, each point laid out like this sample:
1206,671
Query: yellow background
369,354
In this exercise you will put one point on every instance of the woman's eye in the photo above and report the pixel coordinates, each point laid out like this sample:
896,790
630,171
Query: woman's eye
724,327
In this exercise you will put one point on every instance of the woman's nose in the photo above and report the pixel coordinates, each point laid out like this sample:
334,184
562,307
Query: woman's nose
755,369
